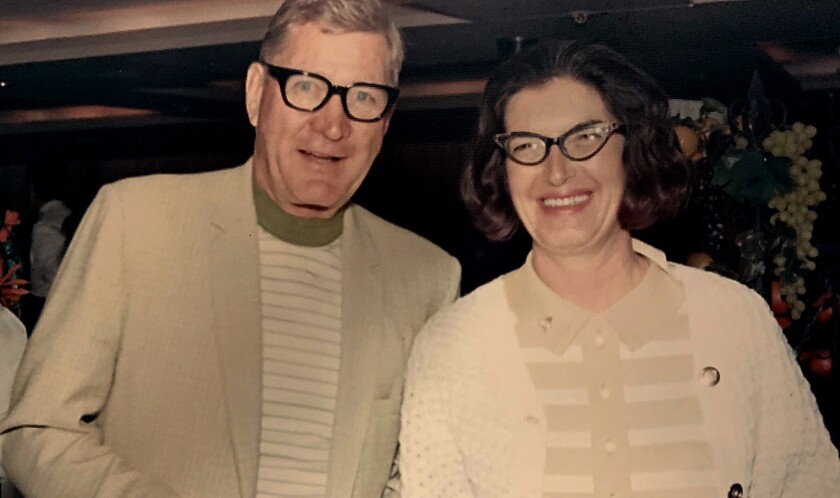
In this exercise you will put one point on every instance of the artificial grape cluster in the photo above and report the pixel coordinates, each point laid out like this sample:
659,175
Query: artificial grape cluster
794,210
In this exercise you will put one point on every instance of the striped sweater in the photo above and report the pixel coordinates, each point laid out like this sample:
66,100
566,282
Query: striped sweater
301,307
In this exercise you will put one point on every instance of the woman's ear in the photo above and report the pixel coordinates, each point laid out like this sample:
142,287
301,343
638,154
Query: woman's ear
254,85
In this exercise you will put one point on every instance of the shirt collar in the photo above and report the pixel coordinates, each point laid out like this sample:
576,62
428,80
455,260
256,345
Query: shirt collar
307,232
646,312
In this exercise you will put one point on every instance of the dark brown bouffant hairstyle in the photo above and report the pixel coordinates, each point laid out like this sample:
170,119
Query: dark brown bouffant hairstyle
657,173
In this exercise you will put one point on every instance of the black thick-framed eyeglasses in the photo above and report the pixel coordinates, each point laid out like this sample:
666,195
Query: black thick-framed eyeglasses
580,143
306,91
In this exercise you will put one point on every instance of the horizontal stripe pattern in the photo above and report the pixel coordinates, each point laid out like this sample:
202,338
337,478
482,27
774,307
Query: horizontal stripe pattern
621,422
301,308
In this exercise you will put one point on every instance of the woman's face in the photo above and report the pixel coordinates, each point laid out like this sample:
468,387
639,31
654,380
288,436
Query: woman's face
568,207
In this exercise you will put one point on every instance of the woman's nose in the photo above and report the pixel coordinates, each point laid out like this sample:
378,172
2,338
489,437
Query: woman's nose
558,167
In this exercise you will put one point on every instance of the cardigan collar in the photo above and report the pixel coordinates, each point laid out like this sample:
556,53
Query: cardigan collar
647,311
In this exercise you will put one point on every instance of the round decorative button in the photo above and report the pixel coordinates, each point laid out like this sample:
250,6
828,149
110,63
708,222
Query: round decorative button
609,446
710,376
599,339
545,323
736,491
605,392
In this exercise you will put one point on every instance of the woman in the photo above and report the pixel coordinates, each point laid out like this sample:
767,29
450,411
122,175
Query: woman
598,368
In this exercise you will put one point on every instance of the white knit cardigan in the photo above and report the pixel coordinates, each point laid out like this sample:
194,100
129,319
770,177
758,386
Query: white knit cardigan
472,426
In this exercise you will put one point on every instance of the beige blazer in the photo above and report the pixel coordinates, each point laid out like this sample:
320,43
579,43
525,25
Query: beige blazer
143,378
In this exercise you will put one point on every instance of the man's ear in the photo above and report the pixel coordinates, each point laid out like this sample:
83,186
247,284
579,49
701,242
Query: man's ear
386,121
254,85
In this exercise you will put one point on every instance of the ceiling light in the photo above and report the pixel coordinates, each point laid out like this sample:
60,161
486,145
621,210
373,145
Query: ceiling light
701,2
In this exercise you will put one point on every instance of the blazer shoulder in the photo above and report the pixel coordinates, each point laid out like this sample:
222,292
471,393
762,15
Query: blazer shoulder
179,201
173,184
400,244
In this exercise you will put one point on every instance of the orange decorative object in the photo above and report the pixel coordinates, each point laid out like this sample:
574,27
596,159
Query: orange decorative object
825,312
688,139
699,260
820,363
777,304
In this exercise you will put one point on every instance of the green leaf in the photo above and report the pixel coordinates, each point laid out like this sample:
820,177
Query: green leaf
779,167
749,176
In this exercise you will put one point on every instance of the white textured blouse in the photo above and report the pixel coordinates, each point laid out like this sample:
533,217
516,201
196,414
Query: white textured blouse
473,425
621,401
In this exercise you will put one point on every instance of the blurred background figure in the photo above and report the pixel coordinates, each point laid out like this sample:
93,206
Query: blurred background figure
48,180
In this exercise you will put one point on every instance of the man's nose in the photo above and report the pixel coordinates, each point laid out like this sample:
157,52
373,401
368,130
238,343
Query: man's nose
331,120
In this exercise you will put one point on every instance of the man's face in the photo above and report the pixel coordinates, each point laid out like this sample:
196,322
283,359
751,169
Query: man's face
311,163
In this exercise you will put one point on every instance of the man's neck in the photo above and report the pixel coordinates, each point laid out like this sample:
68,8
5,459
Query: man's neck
309,232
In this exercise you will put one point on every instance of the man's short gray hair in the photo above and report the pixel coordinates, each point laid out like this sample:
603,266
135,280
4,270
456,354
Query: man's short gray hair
345,16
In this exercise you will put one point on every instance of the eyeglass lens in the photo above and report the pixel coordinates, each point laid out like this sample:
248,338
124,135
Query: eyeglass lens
362,101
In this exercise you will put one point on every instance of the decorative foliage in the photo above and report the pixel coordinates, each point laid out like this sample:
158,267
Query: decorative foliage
749,176
12,287
755,195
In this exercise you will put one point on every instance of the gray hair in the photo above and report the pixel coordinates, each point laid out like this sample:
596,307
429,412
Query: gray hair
344,15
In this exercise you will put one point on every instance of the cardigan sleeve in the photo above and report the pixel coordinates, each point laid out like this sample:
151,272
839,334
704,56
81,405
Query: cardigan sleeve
791,440
431,464
52,441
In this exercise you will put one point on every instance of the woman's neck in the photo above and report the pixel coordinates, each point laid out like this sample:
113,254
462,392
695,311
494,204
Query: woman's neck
593,281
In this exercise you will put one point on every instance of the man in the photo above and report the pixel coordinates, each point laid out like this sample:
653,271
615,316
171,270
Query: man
240,333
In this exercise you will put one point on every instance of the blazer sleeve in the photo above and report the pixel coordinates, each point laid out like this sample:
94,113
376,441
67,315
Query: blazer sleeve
791,440
52,441
430,459
450,279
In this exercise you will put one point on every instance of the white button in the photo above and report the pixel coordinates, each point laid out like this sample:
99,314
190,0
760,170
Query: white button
599,339
710,376
605,392
609,446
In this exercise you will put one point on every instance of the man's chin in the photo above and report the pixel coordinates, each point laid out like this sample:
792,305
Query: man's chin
313,210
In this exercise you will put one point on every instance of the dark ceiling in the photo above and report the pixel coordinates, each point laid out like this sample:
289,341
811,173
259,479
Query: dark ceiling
150,77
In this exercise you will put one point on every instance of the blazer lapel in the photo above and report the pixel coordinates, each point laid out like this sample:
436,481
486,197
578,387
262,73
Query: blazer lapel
236,307
361,331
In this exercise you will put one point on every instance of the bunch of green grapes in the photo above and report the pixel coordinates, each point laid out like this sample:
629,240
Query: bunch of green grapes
794,209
